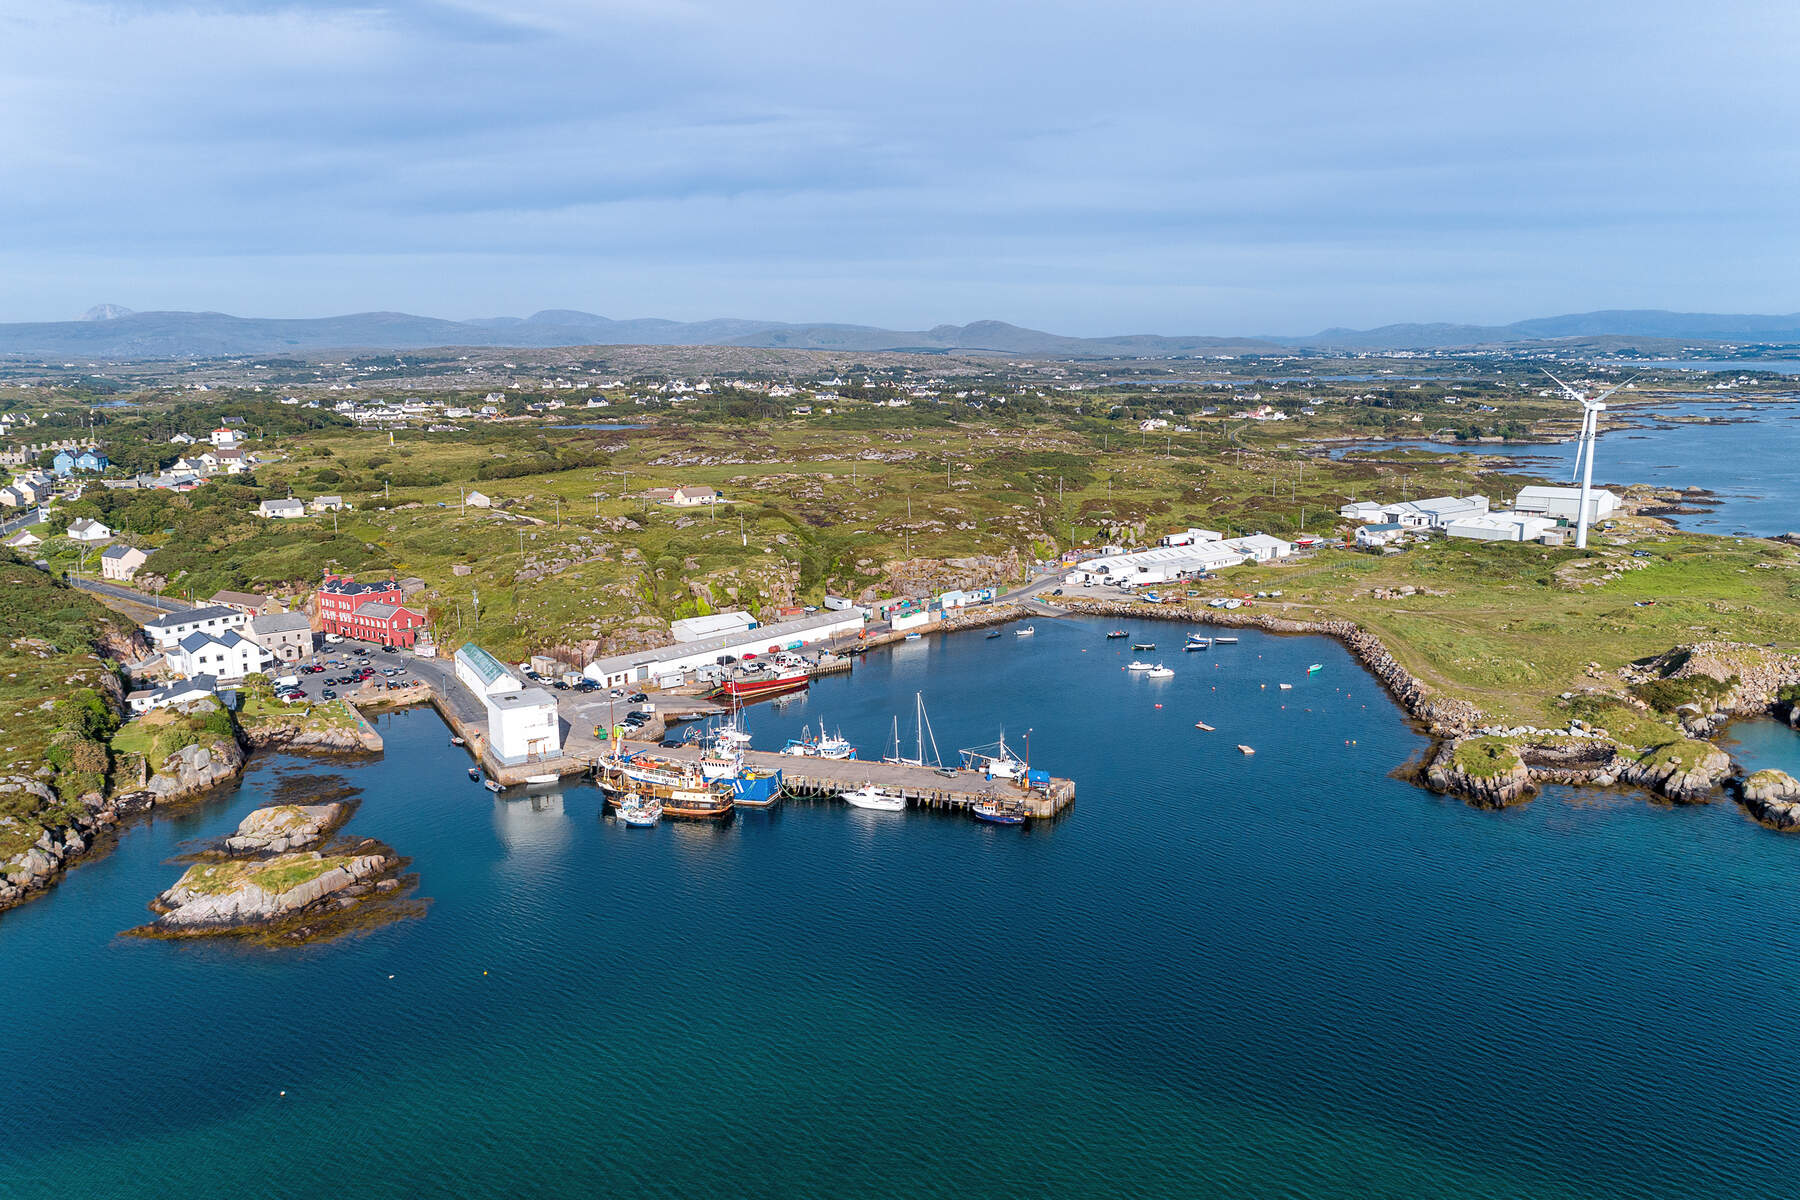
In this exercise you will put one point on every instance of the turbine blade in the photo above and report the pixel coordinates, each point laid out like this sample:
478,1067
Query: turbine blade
1609,391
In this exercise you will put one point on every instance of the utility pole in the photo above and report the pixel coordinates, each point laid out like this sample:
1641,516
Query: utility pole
559,512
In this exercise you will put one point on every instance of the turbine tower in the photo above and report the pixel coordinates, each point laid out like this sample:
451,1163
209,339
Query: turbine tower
1592,407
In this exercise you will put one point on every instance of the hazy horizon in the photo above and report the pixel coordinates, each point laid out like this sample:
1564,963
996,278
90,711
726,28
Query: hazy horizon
1156,167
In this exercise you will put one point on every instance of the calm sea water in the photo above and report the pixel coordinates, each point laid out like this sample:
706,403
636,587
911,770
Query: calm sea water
1279,975
1747,461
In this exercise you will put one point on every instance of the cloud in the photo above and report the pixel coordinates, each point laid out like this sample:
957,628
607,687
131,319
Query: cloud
1179,166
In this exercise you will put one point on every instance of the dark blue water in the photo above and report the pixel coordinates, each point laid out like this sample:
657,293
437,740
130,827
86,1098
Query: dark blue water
1281,975
1746,461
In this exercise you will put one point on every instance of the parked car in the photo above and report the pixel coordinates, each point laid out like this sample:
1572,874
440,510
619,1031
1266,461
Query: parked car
329,694
334,638
638,698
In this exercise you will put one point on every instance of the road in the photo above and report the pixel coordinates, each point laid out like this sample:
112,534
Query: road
21,521
159,603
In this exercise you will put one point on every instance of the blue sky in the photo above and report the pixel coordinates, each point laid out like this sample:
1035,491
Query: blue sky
1136,166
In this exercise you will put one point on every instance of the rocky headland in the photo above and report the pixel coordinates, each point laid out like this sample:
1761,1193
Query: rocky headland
1773,797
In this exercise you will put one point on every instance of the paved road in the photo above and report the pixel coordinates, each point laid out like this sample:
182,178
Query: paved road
409,668
21,521
160,603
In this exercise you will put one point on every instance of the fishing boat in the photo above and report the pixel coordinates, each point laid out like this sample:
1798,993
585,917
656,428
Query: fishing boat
922,737
1203,725
682,787
997,811
1138,665
994,760
639,812
1159,672
490,785
547,778
1245,749
1026,631
755,684
475,774
875,798
832,746
1143,646
1197,641
1116,634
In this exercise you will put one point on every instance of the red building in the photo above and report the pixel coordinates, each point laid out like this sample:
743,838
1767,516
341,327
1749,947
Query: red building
368,612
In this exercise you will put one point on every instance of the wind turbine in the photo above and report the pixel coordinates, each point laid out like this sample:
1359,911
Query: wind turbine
1592,407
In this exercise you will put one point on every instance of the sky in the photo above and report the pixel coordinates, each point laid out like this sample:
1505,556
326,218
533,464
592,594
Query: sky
1195,166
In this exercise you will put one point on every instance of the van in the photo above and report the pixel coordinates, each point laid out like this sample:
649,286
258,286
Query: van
287,681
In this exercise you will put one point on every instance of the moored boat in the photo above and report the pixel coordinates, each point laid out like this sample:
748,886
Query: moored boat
639,812
877,799
1203,725
1197,641
998,811
455,741
490,785
1315,668
475,774
756,789
545,778
1159,672
1138,665
753,685
1224,641
1025,631
1141,646
1245,749
1117,633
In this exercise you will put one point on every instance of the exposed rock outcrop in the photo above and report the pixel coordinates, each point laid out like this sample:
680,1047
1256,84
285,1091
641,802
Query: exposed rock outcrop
1486,770
282,828
194,769
239,896
1773,797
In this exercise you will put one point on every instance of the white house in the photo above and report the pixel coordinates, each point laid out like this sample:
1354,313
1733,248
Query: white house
1501,527
84,529
286,636
327,504
165,632
224,437
282,510
477,500
1371,536
523,724
121,562
1564,503
229,655
182,691
1363,510
24,539
689,497
484,674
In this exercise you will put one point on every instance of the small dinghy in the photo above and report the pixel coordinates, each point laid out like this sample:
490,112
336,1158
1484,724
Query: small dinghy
1027,631
491,786
1143,645
1286,687
455,741
1245,749
1203,725
474,774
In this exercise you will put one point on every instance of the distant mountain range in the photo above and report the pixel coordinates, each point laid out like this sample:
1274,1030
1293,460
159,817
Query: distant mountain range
109,331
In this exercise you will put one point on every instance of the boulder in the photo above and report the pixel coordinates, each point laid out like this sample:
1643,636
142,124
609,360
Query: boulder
286,827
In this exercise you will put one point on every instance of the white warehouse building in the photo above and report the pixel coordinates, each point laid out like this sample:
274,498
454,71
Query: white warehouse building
523,724
696,629
484,674
683,658
1564,503
1501,527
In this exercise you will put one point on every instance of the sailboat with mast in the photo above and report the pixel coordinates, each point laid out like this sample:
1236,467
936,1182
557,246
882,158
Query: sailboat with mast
924,737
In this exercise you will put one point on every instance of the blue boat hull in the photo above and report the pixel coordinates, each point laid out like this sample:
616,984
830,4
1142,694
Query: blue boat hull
1000,818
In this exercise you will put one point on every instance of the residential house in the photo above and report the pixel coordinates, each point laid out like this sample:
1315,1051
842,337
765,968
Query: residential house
165,632
182,439
224,437
281,510
287,636
327,504
248,603
228,655
23,539
477,500
121,562
63,465
184,691
1370,537
689,497
86,529
92,460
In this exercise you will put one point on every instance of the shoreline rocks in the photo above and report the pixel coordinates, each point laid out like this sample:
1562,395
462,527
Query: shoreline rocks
240,896
1773,797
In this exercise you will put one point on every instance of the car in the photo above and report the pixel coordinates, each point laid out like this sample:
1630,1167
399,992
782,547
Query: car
334,638
387,650
560,686
638,698
617,693
1056,591
329,694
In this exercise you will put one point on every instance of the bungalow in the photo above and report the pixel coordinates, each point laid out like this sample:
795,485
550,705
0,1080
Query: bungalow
282,510
85,529
689,497
184,691
1371,537
182,439
121,562
24,539
321,504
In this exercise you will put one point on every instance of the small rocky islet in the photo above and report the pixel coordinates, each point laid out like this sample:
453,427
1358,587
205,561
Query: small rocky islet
275,880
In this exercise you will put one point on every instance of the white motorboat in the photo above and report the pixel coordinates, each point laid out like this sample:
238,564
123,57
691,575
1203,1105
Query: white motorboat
491,786
1139,665
549,778
875,798
1286,687
1159,672
1026,631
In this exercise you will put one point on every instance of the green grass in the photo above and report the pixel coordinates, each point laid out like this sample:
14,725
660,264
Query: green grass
1486,757
275,875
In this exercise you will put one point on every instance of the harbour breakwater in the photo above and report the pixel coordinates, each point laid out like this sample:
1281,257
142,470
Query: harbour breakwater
1496,766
